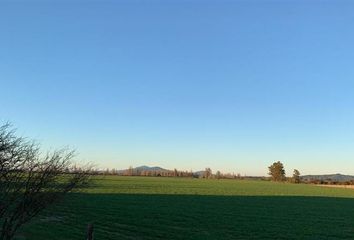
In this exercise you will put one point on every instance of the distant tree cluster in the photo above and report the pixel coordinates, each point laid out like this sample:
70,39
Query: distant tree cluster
328,182
277,173
156,173
207,173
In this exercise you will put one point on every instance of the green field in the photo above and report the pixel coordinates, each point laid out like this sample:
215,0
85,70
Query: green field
176,208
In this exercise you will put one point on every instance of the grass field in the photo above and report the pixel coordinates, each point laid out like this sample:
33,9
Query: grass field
176,208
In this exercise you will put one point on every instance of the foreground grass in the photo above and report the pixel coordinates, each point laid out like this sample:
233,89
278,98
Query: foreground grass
172,208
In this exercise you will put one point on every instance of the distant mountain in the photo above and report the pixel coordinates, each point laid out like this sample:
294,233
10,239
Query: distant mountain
147,168
333,177
199,173
144,168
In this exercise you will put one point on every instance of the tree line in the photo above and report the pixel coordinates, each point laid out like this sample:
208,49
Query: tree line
277,173
207,173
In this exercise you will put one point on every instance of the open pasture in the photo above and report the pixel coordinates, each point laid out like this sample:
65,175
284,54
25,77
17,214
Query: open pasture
176,208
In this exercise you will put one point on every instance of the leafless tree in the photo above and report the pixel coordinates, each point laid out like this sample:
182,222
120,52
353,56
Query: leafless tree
130,171
218,175
208,173
31,181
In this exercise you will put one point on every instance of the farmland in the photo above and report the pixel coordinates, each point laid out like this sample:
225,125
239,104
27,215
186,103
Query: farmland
178,208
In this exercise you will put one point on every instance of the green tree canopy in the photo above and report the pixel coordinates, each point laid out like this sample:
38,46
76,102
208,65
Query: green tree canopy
277,171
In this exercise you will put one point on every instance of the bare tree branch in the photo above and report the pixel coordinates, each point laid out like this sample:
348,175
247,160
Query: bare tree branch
30,182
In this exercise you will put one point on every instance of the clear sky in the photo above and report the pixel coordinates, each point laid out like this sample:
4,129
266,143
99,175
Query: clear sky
231,85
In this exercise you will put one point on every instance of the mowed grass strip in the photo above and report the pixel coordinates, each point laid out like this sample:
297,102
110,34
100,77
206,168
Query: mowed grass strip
175,208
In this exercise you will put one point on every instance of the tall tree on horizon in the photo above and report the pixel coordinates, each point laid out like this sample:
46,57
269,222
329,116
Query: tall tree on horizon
277,171
296,176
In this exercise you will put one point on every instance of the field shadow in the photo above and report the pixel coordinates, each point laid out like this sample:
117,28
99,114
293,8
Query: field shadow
145,216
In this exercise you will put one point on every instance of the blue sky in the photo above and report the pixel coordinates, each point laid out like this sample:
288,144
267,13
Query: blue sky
231,85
